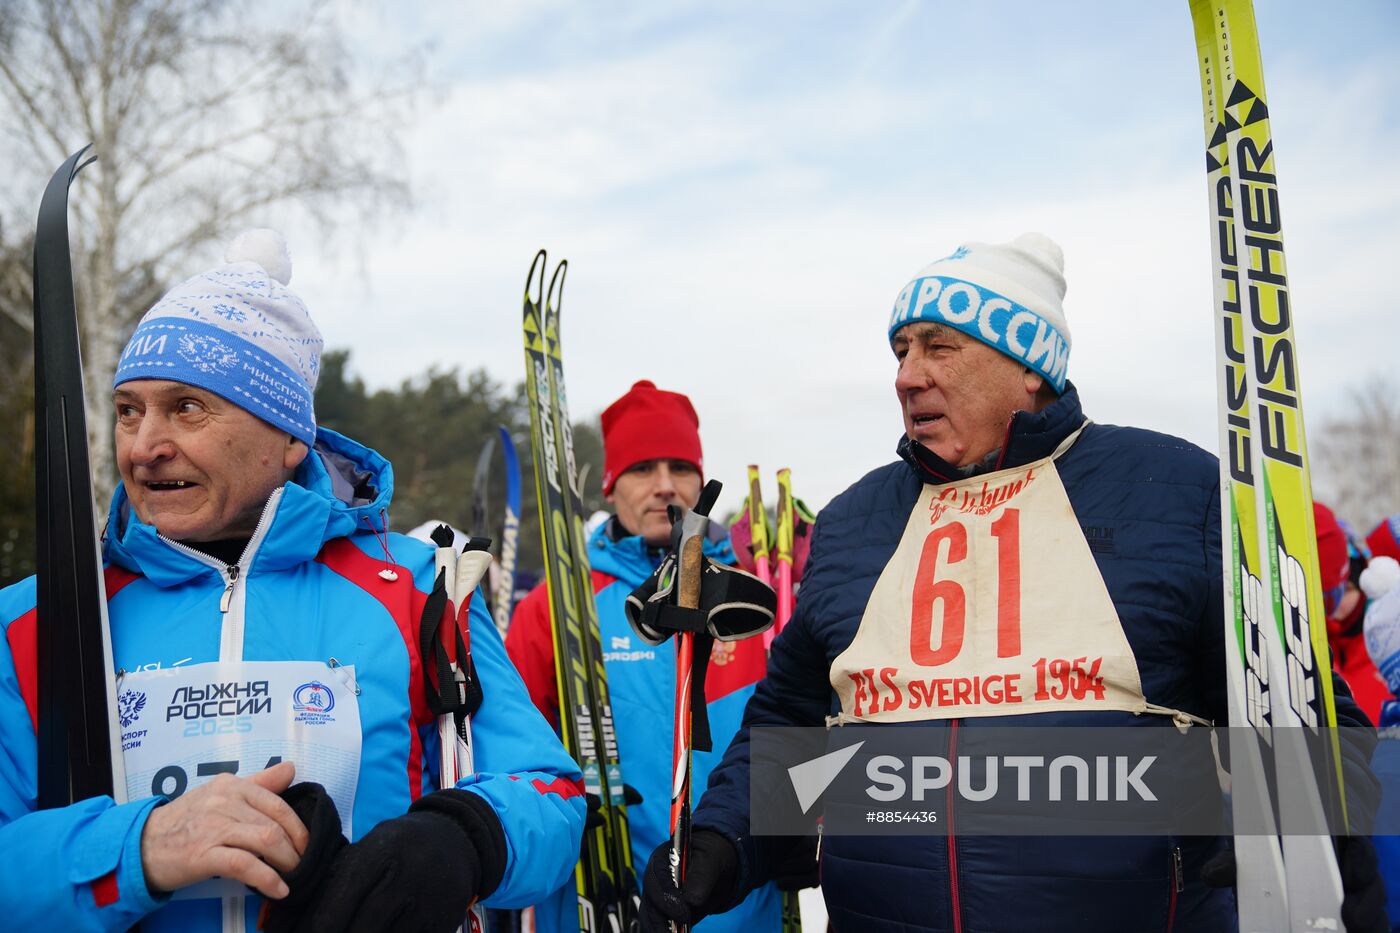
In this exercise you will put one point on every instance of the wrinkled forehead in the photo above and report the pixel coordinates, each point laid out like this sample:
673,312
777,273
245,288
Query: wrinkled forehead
922,332
158,390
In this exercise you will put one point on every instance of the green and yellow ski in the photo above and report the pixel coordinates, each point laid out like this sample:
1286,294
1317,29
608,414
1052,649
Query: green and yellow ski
606,886
1275,631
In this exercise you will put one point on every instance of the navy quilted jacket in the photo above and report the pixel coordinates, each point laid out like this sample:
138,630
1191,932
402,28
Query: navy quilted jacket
1149,506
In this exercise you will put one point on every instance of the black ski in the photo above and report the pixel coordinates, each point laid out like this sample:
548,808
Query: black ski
79,750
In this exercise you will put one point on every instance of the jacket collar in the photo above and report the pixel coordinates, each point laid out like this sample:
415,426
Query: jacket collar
1030,436
630,560
341,486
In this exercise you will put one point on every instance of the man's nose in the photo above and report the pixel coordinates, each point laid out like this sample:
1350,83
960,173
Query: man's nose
665,482
912,375
152,442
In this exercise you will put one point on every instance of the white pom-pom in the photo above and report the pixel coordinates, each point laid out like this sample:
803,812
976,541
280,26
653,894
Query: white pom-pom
1381,576
265,247
1038,244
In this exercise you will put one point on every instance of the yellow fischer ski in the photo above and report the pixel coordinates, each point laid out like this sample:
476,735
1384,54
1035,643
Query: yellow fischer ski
1276,640
1260,880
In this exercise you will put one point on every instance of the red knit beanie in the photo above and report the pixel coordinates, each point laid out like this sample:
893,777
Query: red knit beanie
1384,539
1333,561
649,424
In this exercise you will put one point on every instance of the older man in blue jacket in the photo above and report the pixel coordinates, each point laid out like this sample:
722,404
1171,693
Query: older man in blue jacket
1031,533
265,624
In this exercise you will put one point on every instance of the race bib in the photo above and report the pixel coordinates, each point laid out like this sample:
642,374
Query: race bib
992,605
182,726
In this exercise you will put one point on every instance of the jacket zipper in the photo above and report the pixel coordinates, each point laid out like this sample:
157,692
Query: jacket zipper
1177,884
952,837
232,600
231,603
230,575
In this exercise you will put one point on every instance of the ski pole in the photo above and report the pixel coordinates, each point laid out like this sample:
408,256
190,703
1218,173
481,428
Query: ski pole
459,576
791,911
758,531
785,536
758,528
691,565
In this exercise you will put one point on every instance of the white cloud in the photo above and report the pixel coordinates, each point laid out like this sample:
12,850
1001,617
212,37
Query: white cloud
740,234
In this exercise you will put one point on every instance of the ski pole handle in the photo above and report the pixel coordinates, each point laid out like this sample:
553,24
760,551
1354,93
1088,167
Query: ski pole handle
692,556
758,525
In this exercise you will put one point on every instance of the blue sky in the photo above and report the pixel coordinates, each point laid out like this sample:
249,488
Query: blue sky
742,189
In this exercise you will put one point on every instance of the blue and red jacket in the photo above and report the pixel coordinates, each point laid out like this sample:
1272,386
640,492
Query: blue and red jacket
1150,506
311,591
642,687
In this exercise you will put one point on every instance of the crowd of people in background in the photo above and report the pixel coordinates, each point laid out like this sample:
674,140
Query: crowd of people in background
1362,599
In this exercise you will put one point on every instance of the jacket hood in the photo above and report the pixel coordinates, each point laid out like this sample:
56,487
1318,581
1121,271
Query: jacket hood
632,561
1032,435
340,487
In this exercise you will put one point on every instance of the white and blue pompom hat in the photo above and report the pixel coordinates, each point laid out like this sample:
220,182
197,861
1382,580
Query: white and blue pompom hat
238,332
1010,296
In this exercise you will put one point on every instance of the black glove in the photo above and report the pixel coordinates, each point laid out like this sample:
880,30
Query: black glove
711,883
630,797
314,807
420,871
1363,891
797,868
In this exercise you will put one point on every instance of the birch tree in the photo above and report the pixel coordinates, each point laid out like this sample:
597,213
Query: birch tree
1357,455
205,116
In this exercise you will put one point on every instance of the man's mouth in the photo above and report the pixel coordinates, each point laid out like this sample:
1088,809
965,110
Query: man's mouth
925,420
169,485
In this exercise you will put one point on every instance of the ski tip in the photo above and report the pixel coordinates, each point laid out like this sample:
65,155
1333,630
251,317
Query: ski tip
555,295
475,543
442,536
539,262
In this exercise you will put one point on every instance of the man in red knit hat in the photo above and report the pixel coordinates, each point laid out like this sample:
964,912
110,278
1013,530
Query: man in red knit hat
652,458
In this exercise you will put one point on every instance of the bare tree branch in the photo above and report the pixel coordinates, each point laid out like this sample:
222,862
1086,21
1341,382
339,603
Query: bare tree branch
206,115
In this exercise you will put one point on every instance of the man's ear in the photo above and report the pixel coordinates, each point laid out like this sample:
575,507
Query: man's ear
1040,389
295,453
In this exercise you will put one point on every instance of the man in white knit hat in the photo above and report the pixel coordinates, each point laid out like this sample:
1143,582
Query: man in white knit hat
277,731
1017,566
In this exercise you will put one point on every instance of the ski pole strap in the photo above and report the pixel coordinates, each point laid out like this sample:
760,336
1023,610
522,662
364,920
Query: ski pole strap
700,739
445,693
734,604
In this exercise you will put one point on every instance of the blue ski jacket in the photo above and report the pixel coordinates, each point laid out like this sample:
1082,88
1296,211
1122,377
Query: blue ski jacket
311,591
1148,505
642,687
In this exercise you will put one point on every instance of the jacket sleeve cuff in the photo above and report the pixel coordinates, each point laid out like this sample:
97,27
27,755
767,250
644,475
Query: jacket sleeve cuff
108,860
131,872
